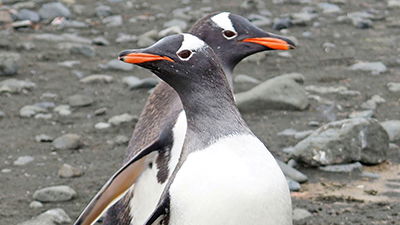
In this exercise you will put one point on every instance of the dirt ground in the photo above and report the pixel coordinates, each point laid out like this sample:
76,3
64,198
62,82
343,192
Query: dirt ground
331,198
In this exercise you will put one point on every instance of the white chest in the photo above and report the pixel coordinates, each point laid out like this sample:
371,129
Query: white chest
235,181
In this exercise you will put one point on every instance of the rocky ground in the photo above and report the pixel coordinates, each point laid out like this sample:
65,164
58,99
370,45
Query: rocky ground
68,107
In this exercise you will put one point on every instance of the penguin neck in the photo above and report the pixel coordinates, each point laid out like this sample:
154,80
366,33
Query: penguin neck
228,70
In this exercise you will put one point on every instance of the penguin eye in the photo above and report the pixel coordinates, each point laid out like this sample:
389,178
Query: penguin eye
184,54
228,34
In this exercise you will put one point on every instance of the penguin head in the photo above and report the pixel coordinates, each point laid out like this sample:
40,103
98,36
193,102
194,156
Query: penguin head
181,60
233,37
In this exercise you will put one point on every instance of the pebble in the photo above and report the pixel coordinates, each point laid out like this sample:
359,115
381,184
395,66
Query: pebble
54,194
6,170
392,127
292,173
375,68
340,90
23,160
102,125
103,11
259,21
370,175
147,38
102,41
63,110
169,31
43,138
299,214
5,17
303,18
66,37
176,22
293,185
68,171
44,116
314,123
329,8
120,119
67,141
122,38
79,49
80,100
242,78
2,114
50,217
344,168
15,86
35,205
140,83
121,140
69,63
281,92
393,87
97,78
31,110
26,14
100,111
373,102
394,4
344,141
52,10
9,63
116,64
362,114
281,23
113,21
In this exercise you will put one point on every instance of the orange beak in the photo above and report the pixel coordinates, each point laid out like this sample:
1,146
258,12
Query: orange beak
137,58
272,43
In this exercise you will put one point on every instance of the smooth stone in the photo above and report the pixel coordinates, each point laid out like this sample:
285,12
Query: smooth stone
15,86
78,49
340,90
31,110
35,205
80,100
6,170
2,114
116,64
344,141
52,10
299,214
54,194
44,116
147,38
97,78
282,92
63,110
50,217
123,38
281,23
292,173
293,185
68,171
344,168
100,111
9,63
170,31
370,175
375,68
259,20
43,138
103,11
102,125
70,63
303,18
121,140
102,41
23,160
393,87
26,14
392,127
5,16
394,4
176,22
113,21
71,24
314,124
149,82
242,78
362,114
373,102
67,141
66,37
120,119
329,8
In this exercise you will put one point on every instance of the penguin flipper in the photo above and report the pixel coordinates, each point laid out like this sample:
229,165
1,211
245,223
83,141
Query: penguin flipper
160,215
116,186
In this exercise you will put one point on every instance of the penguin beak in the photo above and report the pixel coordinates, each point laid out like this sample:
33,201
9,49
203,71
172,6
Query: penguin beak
272,41
135,57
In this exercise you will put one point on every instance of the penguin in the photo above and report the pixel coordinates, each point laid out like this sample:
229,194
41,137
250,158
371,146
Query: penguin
225,174
162,125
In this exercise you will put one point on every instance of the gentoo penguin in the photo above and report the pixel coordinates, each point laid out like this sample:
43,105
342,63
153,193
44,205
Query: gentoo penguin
225,175
162,124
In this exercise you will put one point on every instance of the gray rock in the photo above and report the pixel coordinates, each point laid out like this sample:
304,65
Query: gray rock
393,4
67,141
293,185
62,38
344,141
102,41
76,48
329,8
362,23
303,18
340,90
71,24
69,63
54,194
143,83
35,205
97,78
43,138
9,63
392,127
344,168
23,160
100,111
169,31
282,92
2,114
113,21
370,175
281,23
68,171
259,21
362,114
80,100
31,110
123,38
63,110
26,14
375,68
15,86
242,78
121,140
123,118
50,217
295,134
373,102
147,38
116,64
292,173
299,214
52,10
393,87
176,22
102,125
103,11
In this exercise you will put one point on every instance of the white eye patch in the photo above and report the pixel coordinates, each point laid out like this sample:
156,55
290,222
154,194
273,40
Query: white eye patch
191,43
223,21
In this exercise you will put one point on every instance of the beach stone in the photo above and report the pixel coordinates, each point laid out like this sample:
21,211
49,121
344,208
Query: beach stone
68,171
394,4
393,87
50,217
176,22
9,63
52,10
79,49
373,102
35,205
329,8
120,119
149,82
299,214
344,168
375,68
15,86
26,14
63,110
242,78
340,90
116,64
292,173
362,114
54,194
66,37
67,141
282,92
102,41
102,125
392,127
97,78
281,23
103,11
293,185
113,21
23,160
170,31
344,141
43,138
80,100
31,110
